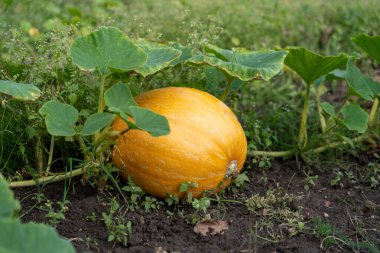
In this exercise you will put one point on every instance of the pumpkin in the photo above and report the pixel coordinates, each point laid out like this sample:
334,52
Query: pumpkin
206,144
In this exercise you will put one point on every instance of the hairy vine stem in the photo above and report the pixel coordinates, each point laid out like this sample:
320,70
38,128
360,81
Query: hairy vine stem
302,138
227,90
373,112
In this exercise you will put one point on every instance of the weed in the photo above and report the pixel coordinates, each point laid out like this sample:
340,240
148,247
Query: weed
119,230
150,203
310,181
274,214
56,214
136,194
331,236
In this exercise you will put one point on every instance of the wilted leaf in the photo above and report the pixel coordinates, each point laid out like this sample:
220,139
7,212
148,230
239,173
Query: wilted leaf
211,227
60,118
311,66
107,49
159,57
242,64
19,90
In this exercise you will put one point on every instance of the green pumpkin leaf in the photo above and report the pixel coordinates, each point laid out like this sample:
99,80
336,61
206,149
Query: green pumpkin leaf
242,64
355,118
60,118
97,122
159,57
105,50
337,74
153,123
19,91
359,84
16,237
311,66
119,98
329,109
370,44
186,53
374,86
8,204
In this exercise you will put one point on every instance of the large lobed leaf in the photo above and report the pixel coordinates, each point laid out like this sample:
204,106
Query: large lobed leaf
242,64
150,121
60,118
186,53
16,237
353,117
8,205
311,66
159,57
119,99
370,44
19,91
97,122
107,49
359,84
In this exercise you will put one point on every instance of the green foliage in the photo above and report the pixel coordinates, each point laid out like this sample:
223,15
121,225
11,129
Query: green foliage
60,118
119,98
16,237
311,66
360,85
159,57
105,50
201,204
332,236
370,44
355,118
19,90
8,204
97,122
118,229
150,121
242,64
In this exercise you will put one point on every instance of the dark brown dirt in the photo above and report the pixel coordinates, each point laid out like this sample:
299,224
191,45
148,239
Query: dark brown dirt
160,230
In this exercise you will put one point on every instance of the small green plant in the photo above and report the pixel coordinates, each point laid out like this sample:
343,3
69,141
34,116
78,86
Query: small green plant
118,229
56,215
172,200
331,236
150,203
201,204
310,182
136,194
185,188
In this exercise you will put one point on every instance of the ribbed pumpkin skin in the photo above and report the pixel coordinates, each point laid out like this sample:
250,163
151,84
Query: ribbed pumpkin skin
205,136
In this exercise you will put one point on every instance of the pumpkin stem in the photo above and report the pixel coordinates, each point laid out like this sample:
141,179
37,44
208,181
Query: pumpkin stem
232,170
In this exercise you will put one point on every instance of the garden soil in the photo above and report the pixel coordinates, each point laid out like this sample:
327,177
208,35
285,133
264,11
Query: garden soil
166,230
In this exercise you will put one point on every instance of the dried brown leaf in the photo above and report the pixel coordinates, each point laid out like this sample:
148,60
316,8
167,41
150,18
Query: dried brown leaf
211,227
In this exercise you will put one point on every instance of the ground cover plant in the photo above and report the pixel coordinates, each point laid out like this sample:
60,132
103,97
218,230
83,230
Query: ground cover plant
305,90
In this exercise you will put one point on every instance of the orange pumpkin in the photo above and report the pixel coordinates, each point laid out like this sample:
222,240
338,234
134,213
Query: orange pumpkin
206,144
